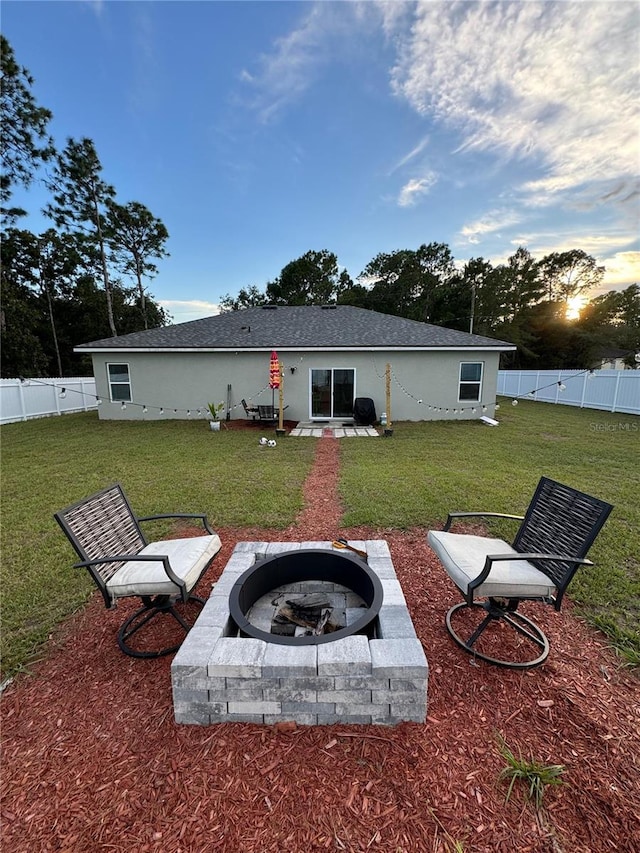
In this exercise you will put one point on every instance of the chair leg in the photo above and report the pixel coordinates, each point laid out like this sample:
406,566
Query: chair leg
532,638
161,605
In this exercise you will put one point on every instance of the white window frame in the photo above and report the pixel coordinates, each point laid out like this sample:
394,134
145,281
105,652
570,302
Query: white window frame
119,383
467,382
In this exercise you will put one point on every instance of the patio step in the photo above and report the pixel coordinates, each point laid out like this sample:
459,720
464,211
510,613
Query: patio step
320,430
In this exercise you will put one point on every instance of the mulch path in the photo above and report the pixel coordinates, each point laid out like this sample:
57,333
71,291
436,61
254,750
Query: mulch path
92,760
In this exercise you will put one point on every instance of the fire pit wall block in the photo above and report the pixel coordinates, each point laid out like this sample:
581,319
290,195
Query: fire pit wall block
218,678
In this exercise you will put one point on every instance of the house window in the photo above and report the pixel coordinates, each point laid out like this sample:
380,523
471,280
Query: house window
470,387
119,383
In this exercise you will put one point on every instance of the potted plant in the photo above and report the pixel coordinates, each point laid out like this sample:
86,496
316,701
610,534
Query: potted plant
214,411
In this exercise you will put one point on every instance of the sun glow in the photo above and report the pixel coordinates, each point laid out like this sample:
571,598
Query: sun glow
575,306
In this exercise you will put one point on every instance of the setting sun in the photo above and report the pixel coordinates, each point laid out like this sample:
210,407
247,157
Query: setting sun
574,306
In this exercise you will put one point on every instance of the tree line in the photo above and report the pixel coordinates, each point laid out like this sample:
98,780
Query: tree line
84,278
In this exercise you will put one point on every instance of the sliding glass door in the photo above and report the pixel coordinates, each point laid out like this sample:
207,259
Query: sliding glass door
332,393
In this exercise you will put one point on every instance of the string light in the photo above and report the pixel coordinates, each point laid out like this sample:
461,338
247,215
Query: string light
590,374
473,408
146,407
430,407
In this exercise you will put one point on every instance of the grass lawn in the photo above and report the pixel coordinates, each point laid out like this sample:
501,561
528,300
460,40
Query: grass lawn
164,466
428,469
412,479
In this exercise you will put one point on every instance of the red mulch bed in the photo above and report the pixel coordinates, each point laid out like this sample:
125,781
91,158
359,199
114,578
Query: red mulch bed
92,760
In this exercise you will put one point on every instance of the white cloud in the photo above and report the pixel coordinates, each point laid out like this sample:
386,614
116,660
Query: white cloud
552,83
622,270
414,189
491,222
286,72
328,32
417,149
598,245
182,311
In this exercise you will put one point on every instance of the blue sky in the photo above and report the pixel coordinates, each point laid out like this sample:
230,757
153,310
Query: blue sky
260,130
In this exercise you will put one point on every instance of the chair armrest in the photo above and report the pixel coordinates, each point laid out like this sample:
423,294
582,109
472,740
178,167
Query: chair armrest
454,515
496,558
203,518
140,558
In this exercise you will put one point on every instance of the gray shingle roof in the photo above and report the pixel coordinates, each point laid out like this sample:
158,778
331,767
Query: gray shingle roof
305,326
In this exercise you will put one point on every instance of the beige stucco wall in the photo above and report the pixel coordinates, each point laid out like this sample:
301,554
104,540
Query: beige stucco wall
188,380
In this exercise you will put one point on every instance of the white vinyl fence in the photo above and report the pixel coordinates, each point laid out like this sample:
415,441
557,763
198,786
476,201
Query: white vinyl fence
39,398
608,390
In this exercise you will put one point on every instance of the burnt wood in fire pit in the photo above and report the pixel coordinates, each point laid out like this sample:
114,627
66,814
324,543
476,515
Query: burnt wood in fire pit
312,564
311,611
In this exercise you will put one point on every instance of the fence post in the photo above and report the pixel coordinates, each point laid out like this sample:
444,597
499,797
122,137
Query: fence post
23,410
615,392
584,389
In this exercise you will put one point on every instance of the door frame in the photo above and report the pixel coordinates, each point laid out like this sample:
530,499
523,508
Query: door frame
331,370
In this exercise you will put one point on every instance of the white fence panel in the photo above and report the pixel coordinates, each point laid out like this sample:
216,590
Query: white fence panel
607,390
21,400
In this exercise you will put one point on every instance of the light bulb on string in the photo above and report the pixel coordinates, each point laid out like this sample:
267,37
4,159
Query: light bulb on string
123,405
144,410
63,393
562,386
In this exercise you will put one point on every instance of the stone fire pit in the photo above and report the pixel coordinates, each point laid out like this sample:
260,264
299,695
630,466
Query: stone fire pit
234,670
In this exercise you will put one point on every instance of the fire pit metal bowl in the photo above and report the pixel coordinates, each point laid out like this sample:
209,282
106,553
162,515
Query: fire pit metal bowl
311,564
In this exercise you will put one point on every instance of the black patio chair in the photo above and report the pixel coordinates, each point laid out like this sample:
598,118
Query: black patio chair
552,542
267,414
122,563
250,411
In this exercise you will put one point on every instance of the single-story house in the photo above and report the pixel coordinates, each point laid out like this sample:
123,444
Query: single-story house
329,355
611,358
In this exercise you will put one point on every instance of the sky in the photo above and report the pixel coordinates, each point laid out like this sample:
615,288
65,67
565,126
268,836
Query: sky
258,131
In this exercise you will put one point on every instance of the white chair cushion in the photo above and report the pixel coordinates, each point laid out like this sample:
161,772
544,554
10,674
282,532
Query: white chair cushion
463,557
187,558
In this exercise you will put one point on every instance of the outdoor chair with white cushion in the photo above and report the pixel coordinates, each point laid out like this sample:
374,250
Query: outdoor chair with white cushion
107,536
552,542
